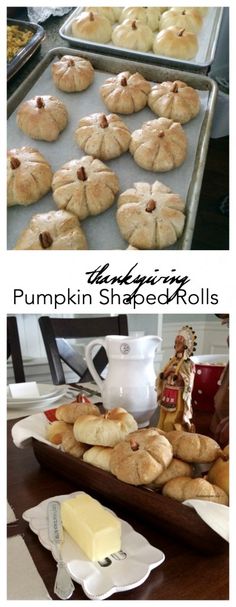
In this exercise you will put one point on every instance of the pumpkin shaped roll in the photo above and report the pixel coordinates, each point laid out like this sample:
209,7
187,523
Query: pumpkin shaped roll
56,230
185,18
29,176
176,42
149,15
141,457
150,216
43,117
112,13
92,26
85,187
105,430
175,100
133,34
72,74
102,136
125,93
159,145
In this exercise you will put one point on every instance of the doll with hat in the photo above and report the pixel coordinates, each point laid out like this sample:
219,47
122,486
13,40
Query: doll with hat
175,383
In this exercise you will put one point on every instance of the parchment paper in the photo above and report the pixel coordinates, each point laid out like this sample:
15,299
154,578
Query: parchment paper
102,231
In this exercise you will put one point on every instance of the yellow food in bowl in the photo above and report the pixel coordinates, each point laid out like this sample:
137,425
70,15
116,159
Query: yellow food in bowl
17,38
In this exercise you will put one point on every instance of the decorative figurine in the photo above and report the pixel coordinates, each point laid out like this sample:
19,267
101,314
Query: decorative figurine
174,385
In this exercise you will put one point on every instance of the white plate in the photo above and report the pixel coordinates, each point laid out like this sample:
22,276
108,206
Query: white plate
45,391
122,571
34,404
214,515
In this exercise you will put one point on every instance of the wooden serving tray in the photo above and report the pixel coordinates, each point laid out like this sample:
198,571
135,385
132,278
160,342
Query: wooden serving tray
162,512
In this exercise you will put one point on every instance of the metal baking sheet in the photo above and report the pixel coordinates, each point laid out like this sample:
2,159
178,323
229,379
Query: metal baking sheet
29,49
102,231
207,39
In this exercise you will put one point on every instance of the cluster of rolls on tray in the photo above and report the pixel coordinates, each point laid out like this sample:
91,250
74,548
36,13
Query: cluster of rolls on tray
163,461
148,215
167,31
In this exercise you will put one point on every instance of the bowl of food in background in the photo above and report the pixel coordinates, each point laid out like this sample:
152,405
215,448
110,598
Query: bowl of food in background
23,39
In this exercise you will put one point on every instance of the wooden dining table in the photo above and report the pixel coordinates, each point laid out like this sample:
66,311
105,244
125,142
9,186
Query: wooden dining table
186,573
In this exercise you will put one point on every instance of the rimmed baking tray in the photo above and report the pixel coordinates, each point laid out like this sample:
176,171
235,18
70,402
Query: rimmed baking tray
29,49
207,39
102,231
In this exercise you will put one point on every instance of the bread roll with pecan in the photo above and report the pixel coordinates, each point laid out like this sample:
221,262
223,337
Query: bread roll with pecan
141,457
175,100
150,216
102,136
92,26
125,93
85,187
29,176
133,34
159,145
183,488
56,230
106,430
72,74
176,42
43,117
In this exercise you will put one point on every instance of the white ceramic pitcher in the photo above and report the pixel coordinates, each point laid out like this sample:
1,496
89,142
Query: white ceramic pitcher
130,381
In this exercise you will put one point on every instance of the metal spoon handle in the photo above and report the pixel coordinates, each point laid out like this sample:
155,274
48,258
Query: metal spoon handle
64,586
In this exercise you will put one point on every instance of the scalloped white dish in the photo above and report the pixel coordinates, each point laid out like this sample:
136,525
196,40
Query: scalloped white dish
124,570
214,515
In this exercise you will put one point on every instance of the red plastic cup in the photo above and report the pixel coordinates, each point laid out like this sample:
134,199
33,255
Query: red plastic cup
208,371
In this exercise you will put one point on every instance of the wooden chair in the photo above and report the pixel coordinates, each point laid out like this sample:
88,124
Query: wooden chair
56,332
14,349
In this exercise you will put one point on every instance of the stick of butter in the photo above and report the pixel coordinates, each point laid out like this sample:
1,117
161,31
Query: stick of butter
94,529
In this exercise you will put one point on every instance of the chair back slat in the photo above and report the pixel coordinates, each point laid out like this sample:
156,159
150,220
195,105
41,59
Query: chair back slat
56,332
14,349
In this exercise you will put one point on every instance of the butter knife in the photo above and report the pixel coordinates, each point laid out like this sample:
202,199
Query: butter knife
64,586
